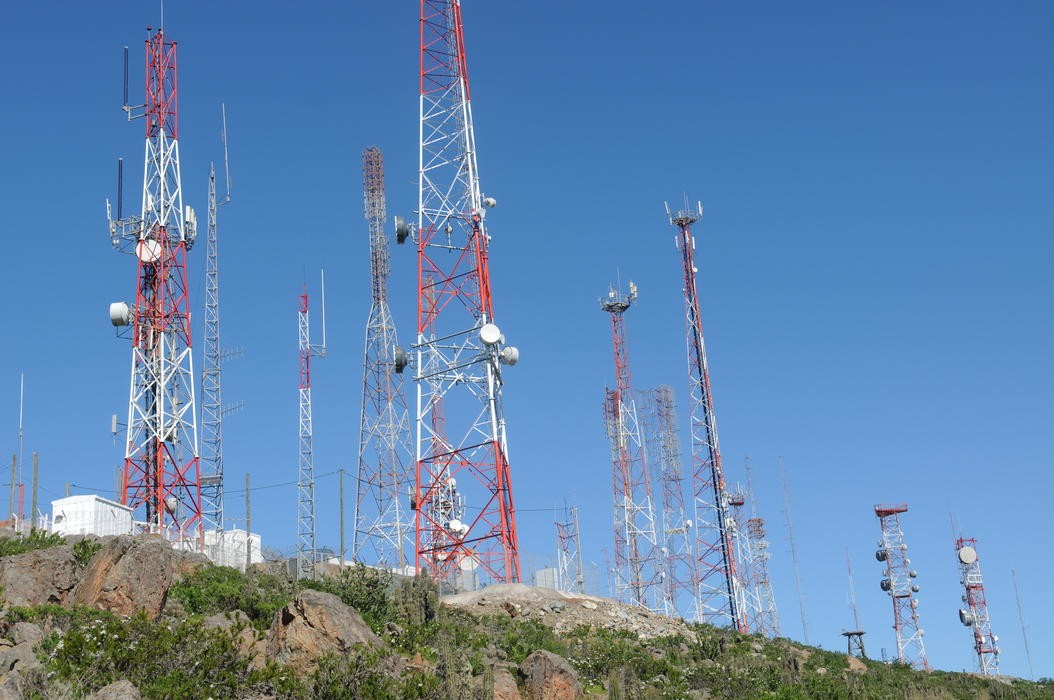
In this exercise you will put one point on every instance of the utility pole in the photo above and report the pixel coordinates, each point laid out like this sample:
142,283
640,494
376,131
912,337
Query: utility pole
716,576
341,473
460,352
36,474
248,527
162,479
14,482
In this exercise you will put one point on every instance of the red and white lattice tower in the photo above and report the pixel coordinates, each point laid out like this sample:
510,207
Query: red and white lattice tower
899,581
383,533
975,614
715,557
678,563
306,531
761,602
161,480
638,561
465,520
570,572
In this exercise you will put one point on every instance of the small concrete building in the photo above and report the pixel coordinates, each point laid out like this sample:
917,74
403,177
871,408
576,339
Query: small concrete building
227,548
90,515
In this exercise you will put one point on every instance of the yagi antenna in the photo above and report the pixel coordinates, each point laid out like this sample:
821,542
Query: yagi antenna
226,160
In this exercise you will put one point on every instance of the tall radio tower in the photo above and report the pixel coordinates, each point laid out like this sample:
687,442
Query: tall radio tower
465,519
854,638
716,599
899,581
383,525
638,566
306,546
161,480
678,563
212,408
975,614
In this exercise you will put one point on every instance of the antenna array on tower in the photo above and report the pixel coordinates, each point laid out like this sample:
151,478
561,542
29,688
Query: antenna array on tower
975,613
898,580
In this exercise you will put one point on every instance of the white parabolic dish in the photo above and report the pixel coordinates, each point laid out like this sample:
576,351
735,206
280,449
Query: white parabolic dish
967,555
489,334
148,250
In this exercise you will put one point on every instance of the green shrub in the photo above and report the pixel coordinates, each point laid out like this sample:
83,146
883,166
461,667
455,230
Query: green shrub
218,589
365,589
36,539
84,550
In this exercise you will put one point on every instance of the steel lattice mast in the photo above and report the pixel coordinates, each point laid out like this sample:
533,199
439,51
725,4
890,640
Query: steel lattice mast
462,451
678,563
383,521
975,614
638,562
716,596
570,573
899,581
737,501
306,545
854,638
161,479
761,602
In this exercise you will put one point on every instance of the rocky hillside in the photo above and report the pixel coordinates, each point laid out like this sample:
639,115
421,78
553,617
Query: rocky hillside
130,617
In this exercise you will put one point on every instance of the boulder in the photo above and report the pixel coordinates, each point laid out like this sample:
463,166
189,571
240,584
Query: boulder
238,625
315,623
856,665
39,577
550,677
11,686
119,690
132,574
26,632
20,657
505,687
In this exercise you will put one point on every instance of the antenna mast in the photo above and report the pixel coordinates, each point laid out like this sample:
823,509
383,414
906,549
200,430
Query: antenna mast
383,532
638,566
678,562
1021,617
855,637
761,603
794,551
212,408
570,574
162,480
975,613
716,577
899,582
460,353
306,545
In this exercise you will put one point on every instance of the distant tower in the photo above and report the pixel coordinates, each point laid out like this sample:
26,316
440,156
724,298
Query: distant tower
638,567
306,545
162,480
212,408
678,564
570,573
383,520
854,638
899,581
975,613
462,452
794,552
761,603
737,499
716,566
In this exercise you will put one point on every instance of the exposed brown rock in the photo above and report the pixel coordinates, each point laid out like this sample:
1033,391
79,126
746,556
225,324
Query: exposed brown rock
856,665
550,677
132,574
315,623
40,576
505,687
120,690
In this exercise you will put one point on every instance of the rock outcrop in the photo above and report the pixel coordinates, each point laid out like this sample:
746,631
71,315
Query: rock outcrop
40,576
130,574
550,677
120,690
315,623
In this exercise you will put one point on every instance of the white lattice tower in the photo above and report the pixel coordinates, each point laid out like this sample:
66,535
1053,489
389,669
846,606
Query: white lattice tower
461,446
161,480
899,582
761,602
384,526
716,597
570,572
975,613
306,532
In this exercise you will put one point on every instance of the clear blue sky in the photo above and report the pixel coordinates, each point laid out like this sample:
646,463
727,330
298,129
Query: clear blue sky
874,260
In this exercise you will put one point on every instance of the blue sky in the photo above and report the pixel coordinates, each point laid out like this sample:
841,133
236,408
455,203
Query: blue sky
874,259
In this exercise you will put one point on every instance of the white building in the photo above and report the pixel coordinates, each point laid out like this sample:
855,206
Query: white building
227,548
545,578
90,515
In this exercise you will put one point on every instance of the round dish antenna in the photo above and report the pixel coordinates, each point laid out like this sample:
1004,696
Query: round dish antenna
489,334
148,250
967,555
